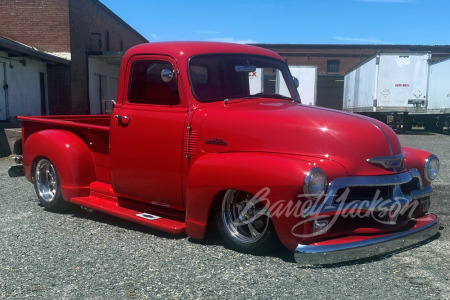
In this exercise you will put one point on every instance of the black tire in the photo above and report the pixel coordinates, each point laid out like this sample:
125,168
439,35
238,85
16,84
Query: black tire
434,125
48,186
407,124
244,224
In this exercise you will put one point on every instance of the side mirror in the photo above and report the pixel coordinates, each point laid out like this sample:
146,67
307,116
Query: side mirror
296,82
166,75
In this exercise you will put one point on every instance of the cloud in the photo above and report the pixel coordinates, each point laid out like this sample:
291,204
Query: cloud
233,40
153,37
360,40
388,1
208,32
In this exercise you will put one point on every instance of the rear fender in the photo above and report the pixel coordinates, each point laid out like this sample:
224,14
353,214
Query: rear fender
71,156
276,178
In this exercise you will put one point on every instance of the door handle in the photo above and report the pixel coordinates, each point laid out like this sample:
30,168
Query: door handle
121,117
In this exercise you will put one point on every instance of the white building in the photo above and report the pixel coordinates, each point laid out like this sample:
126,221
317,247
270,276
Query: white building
23,79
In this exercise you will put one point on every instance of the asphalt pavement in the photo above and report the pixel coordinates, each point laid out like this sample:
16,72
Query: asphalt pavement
78,255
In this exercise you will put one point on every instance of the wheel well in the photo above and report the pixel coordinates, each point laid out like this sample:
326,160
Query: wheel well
215,204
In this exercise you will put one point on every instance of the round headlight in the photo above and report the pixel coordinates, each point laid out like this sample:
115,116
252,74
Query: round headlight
432,166
315,183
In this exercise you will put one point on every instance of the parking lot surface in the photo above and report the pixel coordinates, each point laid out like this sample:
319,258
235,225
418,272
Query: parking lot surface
77,255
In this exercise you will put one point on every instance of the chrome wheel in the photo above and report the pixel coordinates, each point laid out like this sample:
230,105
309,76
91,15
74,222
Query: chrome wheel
47,185
46,180
244,223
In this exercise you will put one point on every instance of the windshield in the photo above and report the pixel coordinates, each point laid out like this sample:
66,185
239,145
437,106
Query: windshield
219,77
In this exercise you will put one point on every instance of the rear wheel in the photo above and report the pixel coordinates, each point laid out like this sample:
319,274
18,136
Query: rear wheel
244,224
48,186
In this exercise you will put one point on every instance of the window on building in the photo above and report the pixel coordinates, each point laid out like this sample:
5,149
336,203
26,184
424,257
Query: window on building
333,66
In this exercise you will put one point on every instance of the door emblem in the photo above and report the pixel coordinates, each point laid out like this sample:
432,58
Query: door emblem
216,141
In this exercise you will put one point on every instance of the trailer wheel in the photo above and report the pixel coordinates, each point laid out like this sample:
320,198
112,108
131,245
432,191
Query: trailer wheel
434,125
244,224
48,186
407,123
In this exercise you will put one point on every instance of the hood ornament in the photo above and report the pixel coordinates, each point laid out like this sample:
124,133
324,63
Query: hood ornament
388,162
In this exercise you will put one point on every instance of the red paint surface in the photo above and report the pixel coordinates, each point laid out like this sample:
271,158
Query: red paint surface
269,143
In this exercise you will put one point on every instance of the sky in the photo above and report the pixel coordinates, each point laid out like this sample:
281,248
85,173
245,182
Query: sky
411,22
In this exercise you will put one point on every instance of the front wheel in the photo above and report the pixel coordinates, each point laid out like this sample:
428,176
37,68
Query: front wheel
244,224
48,186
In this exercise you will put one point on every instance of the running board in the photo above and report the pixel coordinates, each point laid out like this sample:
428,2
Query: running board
103,198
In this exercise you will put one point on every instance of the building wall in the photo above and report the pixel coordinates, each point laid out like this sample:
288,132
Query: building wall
102,77
41,24
68,28
59,89
23,93
88,19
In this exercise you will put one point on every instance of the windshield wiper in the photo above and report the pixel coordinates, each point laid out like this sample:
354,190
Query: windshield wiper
276,96
235,98
262,95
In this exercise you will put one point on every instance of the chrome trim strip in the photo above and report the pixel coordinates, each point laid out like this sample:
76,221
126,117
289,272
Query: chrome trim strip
377,205
416,174
425,192
382,180
360,205
371,180
310,255
385,136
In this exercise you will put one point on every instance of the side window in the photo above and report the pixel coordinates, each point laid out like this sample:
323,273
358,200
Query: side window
147,87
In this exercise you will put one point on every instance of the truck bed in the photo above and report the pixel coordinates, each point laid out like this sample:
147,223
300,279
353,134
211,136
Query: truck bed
95,122
93,130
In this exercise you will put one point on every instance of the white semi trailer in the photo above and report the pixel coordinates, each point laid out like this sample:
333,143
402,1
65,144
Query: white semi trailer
307,78
306,75
394,87
439,90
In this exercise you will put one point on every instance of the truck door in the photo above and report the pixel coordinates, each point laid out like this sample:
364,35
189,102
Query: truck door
146,137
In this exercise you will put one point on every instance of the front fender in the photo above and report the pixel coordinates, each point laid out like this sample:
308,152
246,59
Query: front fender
71,156
280,176
416,158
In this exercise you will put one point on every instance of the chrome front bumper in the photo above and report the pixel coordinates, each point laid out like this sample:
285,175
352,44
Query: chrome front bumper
333,253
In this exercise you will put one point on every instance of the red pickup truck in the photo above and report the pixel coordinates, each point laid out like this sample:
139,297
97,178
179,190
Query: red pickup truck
214,135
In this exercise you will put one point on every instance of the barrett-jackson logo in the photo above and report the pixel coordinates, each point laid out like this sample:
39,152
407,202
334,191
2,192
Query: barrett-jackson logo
216,141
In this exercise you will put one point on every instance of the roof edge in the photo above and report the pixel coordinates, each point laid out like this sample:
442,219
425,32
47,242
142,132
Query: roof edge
31,51
118,19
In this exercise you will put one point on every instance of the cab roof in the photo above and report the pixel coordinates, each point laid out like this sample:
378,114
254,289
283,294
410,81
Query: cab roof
184,50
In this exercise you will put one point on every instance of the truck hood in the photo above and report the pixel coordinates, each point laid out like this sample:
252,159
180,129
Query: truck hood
264,125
